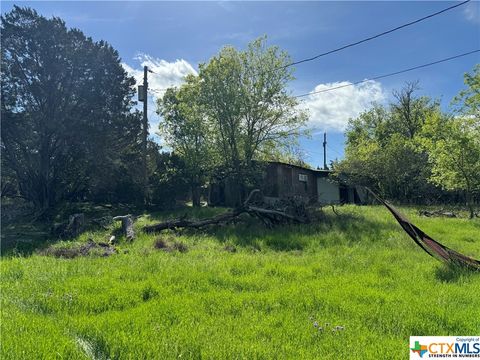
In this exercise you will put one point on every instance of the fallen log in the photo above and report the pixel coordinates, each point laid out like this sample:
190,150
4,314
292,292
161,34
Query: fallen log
183,223
103,222
86,249
127,226
443,213
269,217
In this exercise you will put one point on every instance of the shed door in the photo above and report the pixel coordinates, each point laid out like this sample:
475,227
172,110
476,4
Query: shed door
287,182
328,192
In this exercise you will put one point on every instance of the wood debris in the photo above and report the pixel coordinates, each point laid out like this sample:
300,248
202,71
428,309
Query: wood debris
287,212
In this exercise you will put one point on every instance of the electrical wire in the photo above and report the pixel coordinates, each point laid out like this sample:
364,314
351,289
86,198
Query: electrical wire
373,78
375,36
158,91
354,43
321,153
390,74
335,151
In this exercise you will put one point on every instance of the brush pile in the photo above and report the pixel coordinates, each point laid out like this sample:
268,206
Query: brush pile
291,211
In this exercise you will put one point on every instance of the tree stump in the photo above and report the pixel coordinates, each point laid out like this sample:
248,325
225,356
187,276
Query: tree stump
75,226
127,226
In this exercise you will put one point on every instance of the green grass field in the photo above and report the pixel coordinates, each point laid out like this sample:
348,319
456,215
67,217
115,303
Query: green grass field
244,292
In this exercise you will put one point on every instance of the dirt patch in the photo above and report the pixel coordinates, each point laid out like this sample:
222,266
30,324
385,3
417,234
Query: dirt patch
90,248
170,245
161,244
230,248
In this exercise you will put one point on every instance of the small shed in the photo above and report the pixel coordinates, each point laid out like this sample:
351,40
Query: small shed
312,185
282,180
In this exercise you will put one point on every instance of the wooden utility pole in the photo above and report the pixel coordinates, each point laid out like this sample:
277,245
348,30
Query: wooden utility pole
145,135
325,167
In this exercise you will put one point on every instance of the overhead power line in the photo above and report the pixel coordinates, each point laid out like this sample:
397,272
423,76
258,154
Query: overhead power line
354,43
330,148
390,74
159,91
376,36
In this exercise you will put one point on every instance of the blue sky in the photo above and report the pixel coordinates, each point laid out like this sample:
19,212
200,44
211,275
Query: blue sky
174,37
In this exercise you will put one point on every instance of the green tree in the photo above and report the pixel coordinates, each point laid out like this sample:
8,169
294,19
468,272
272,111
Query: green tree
65,109
244,94
382,150
467,102
186,130
453,143
166,176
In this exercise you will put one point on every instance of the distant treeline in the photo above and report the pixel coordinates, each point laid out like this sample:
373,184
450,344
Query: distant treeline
412,152
70,131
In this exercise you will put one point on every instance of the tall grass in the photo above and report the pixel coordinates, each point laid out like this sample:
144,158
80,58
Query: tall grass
243,292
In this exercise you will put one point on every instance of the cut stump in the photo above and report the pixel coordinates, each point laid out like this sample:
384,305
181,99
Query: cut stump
127,226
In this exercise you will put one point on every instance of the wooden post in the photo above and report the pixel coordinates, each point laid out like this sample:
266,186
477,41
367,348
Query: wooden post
145,135
325,167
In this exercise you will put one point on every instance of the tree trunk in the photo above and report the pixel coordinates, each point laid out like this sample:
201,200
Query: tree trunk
75,226
469,200
196,195
237,182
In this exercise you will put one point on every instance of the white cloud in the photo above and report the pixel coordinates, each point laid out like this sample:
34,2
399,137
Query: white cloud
165,74
331,110
472,12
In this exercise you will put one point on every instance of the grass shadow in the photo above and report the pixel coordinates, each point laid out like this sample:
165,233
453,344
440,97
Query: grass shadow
22,236
452,273
327,229
349,226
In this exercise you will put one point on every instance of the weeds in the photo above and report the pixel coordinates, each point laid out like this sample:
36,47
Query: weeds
366,282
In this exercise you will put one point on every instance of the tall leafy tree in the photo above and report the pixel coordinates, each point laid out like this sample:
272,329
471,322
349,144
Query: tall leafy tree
453,147
244,94
187,131
453,143
237,110
382,149
65,107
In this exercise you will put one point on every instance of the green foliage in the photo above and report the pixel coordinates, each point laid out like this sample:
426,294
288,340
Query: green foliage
401,149
187,131
453,143
357,270
453,146
167,180
382,150
467,102
245,95
236,111
67,130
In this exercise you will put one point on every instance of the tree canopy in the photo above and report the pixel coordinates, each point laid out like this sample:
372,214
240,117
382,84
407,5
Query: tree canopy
242,104
70,130
412,151
66,101
453,142
187,131
382,151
